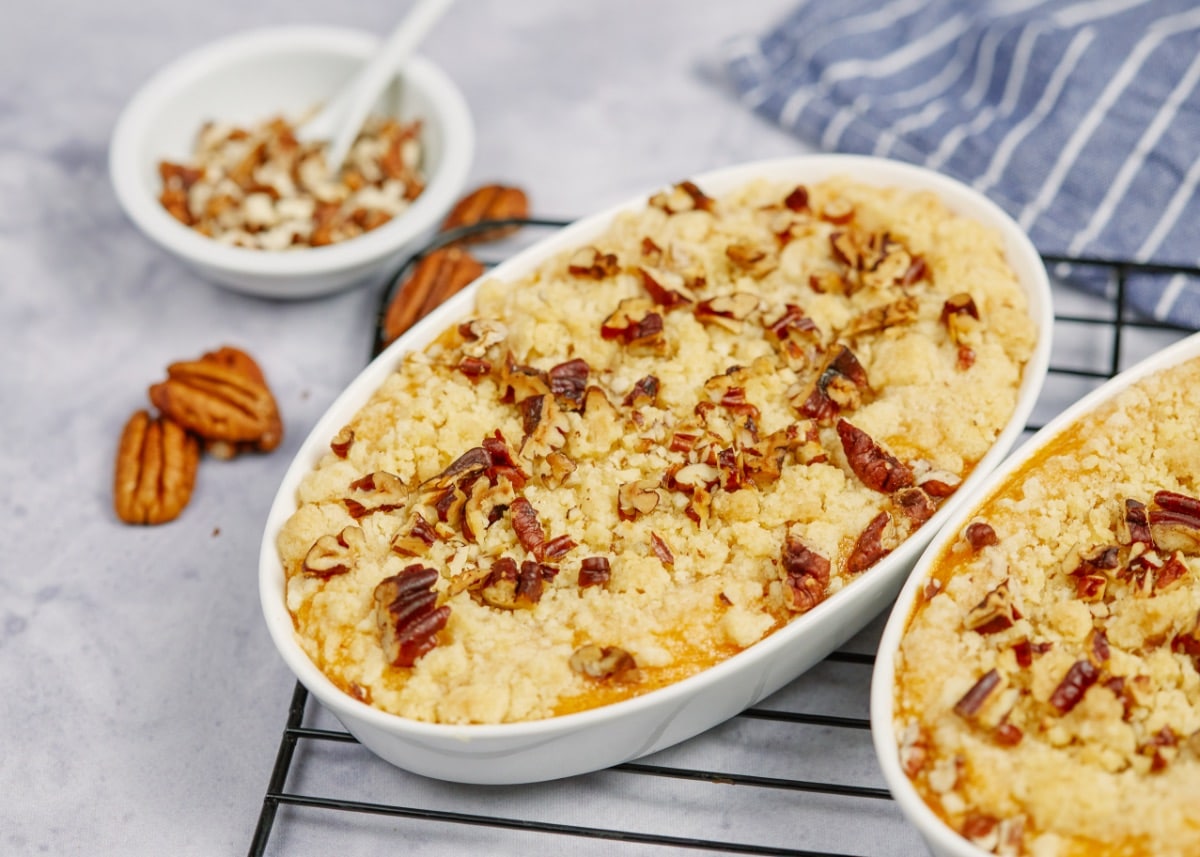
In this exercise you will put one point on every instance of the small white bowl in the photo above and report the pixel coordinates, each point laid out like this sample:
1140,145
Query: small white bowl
250,77
598,738
944,841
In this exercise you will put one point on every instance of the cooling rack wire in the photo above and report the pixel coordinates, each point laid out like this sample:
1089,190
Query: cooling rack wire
794,775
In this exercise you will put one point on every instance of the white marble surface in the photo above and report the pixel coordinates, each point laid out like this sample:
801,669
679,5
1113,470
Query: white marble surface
141,699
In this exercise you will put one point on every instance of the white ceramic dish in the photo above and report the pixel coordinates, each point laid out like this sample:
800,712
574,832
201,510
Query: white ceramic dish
598,738
942,840
250,77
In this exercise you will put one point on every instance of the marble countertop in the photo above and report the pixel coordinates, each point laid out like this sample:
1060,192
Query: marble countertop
142,699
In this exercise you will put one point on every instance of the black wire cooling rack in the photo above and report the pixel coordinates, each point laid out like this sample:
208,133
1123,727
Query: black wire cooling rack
794,775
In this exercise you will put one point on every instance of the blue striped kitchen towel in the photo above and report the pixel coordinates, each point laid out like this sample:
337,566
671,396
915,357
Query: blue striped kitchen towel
1081,119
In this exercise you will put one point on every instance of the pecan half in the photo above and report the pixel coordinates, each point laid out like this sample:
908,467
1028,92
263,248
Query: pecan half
407,615
222,397
436,277
489,202
155,470
875,467
1175,522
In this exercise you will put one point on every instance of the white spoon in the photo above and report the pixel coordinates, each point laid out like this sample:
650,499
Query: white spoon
342,117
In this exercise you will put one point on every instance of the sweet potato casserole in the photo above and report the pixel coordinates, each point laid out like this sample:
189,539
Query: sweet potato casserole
1048,697
654,450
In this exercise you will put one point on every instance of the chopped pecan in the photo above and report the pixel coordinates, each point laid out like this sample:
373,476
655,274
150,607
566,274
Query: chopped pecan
545,426
1133,525
635,325
568,381
958,304
1162,748
795,335
485,504
517,382
961,317
661,550
593,264
874,466
939,483
637,498
837,210
461,471
972,701
727,311
667,289
916,505
559,546
840,386
594,571
221,397
1188,642
556,467
797,199
752,259
417,538
903,310
332,555
807,574
868,547
475,367
480,334
155,470
487,203
1081,676
685,196
407,615
980,535
375,492
342,441
644,393
995,613
1170,571
437,276
607,663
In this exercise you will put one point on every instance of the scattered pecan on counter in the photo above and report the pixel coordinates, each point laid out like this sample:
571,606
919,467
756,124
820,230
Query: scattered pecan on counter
220,404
